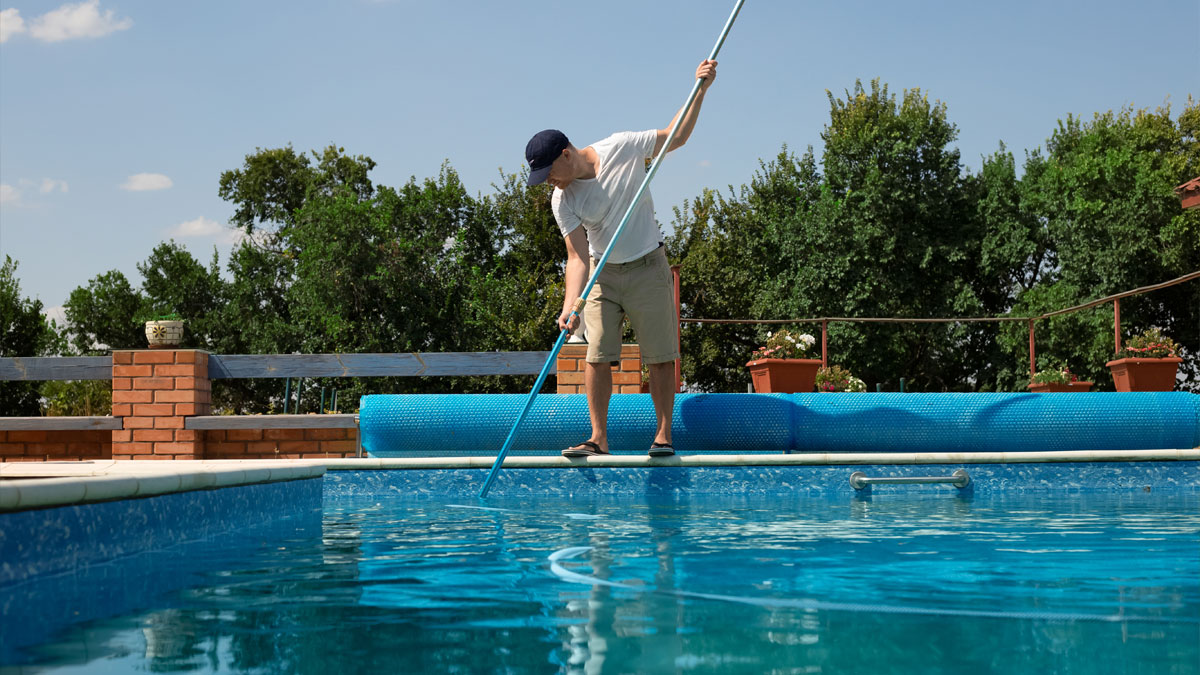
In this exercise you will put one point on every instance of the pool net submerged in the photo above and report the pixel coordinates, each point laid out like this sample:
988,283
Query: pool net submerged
433,425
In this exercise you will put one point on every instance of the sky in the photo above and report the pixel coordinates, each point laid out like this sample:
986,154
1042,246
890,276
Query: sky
117,117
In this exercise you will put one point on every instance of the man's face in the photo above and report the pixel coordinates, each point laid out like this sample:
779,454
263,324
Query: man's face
560,171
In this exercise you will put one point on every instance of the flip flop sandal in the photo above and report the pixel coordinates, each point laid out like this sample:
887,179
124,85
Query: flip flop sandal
584,449
661,449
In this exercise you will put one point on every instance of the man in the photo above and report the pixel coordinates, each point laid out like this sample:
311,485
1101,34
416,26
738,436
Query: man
593,188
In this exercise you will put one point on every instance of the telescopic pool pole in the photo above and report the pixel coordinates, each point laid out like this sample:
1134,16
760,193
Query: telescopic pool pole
562,336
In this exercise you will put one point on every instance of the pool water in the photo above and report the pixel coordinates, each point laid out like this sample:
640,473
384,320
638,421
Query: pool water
894,583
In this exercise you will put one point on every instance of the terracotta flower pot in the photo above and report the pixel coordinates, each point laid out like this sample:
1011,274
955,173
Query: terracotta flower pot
1142,374
784,376
1053,388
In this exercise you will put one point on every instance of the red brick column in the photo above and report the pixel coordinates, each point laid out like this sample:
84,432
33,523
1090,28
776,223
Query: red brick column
154,391
627,378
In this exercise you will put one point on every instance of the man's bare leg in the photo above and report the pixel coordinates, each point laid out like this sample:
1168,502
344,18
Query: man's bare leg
597,383
662,392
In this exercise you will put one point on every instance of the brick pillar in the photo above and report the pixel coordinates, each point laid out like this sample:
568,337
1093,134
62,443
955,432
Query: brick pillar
154,391
627,377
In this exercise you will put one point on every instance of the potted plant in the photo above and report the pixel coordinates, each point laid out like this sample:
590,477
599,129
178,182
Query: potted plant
1056,380
780,367
1148,363
165,331
836,378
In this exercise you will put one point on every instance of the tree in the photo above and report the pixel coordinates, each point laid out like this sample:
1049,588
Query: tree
334,263
267,193
174,282
734,254
887,228
103,314
1104,191
25,333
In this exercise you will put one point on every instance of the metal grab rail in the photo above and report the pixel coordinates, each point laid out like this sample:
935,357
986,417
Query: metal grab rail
959,479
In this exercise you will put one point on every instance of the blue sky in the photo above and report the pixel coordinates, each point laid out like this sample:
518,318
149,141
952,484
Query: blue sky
117,117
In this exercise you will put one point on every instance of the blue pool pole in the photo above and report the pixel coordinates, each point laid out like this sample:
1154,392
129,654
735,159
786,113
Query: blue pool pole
562,336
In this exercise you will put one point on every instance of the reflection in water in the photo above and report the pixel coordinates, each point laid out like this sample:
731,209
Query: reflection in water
720,585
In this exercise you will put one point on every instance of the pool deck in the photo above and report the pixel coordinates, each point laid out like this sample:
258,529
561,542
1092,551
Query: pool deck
34,485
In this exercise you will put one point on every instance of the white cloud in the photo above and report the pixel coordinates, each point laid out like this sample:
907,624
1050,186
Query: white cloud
82,20
140,182
9,194
50,185
705,163
11,23
203,227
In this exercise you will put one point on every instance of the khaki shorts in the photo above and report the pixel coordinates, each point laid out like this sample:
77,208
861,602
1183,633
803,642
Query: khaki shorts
643,289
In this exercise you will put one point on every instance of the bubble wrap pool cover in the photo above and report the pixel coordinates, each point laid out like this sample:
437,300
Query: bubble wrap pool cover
477,424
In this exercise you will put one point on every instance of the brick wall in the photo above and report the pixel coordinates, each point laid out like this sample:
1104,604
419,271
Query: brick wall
280,443
627,376
55,446
153,391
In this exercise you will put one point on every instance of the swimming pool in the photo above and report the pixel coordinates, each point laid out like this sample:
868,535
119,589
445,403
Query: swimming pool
898,580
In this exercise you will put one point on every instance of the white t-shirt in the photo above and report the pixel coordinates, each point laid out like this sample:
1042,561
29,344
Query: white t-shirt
599,203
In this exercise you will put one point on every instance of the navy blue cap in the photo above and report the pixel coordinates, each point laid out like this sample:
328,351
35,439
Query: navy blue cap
541,151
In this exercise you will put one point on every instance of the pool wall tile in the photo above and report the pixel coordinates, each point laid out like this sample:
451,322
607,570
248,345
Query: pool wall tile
768,480
67,538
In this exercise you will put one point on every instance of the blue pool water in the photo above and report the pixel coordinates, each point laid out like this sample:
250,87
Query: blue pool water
934,582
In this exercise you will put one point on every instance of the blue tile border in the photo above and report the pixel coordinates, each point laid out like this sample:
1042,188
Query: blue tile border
767,480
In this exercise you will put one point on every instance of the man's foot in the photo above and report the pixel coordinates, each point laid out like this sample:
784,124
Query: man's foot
661,449
584,449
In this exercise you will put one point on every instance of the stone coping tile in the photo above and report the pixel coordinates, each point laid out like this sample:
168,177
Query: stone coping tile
774,459
42,485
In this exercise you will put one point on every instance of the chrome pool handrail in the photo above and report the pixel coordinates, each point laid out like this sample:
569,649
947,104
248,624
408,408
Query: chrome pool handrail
959,479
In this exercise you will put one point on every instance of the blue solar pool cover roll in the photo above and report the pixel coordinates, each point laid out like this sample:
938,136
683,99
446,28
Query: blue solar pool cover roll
477,424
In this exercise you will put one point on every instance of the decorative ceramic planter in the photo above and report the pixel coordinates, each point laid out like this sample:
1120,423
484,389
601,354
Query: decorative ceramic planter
1142,374
784,376
164,334
1054,388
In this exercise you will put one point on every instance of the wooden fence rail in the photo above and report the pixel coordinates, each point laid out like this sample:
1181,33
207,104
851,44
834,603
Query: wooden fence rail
254,366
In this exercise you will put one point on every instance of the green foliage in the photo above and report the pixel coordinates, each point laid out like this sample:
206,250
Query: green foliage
888,228
1104,191
892,225
734,254
176,285
25,332
77,398
103,314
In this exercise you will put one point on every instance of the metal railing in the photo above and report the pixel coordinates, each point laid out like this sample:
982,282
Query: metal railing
959,479
826,320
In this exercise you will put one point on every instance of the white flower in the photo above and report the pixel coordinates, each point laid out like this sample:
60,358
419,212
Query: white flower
768,333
